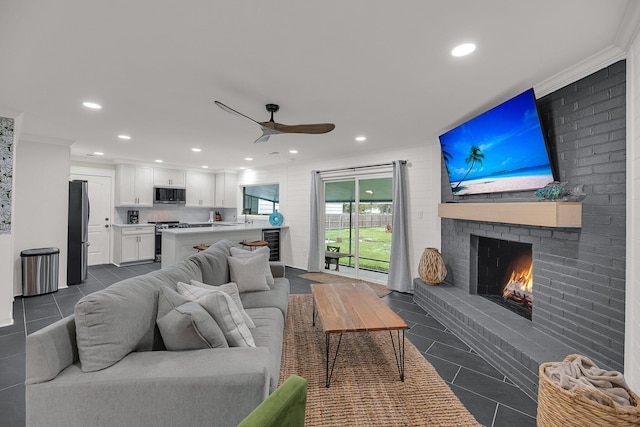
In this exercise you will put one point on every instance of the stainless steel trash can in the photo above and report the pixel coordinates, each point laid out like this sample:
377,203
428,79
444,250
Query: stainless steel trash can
39,271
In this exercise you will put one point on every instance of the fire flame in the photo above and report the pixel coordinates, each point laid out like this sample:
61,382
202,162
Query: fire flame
520,286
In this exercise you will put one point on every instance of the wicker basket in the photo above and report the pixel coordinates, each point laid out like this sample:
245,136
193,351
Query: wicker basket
558,407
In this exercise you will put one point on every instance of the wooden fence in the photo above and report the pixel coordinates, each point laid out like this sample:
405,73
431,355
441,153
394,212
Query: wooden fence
342,221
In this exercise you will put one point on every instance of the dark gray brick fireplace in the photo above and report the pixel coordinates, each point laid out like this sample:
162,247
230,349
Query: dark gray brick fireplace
578,273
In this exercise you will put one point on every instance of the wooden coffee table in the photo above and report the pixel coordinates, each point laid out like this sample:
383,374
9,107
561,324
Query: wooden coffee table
355,307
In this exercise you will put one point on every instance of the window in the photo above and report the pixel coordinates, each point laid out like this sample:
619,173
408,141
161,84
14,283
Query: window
261,199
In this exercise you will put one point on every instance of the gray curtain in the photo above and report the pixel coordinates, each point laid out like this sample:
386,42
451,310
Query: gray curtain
316,228
399,266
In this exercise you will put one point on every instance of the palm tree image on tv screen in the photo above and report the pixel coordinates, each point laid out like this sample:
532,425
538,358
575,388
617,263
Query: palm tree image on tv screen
475,156
500,150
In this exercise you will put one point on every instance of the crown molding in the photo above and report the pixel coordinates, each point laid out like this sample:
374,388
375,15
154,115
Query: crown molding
46,139
596,62
629,27
9,113
90,159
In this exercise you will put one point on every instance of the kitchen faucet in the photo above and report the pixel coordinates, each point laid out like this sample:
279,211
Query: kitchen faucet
245,212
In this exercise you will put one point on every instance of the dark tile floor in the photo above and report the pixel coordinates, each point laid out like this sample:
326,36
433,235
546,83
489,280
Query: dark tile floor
490,397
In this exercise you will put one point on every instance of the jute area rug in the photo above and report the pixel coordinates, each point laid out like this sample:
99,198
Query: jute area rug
366,389
380,290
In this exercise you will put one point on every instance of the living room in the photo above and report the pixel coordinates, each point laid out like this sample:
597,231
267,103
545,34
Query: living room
40,204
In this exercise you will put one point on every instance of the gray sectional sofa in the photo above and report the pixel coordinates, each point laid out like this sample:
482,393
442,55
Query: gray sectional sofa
107,365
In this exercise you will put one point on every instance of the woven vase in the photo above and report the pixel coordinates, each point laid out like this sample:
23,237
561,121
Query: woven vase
431,268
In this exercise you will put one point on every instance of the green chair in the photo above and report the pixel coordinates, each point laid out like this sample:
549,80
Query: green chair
285,407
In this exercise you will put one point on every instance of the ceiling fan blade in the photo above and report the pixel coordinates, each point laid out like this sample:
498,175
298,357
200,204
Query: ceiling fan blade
267,131
232,111
312,129
263,138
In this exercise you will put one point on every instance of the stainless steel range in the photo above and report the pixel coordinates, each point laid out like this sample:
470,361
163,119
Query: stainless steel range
163,225
166,225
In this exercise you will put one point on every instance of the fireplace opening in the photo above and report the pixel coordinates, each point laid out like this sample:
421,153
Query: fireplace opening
505,274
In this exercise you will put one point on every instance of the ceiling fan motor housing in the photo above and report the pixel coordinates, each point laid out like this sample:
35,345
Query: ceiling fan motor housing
272,108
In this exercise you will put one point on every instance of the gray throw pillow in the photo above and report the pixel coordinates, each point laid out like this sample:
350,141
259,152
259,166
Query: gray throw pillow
168,299
248,274
263,252
185,327
115,321
225,312
190,327
230,289
213,266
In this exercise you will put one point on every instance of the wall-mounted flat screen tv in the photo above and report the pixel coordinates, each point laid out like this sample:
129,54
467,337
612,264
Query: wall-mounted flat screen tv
501,150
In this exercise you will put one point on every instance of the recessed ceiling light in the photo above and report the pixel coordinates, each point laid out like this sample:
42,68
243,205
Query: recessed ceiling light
205,167
361,138
293,151
98,153
159,161
463,49
124,137
242,168
92,105
248,158
196,150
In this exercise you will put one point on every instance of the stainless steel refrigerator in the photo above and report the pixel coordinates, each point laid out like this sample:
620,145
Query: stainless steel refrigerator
78,236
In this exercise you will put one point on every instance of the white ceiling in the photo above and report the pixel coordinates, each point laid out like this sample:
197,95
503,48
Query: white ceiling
376,68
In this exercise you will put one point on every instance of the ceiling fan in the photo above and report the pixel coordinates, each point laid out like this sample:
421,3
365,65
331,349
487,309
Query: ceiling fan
272,128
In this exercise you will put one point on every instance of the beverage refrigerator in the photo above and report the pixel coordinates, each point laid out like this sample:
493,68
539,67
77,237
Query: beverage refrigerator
78,232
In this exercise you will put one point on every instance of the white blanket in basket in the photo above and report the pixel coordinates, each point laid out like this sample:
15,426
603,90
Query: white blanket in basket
582,373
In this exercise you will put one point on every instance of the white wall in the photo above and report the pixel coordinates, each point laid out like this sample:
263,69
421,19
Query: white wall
40,203
632,313
423,187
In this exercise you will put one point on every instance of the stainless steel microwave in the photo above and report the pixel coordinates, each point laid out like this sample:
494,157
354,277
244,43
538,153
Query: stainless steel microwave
169,195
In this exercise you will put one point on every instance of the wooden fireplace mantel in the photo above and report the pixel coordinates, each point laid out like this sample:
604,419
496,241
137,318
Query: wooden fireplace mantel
544,214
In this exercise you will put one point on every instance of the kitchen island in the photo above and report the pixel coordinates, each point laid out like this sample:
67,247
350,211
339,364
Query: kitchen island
178,243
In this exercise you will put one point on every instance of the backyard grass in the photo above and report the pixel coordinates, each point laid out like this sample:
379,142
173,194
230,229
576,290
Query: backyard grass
375,247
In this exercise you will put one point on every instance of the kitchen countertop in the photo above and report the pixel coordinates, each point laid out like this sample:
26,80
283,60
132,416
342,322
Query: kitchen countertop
220,226
217,223
146,224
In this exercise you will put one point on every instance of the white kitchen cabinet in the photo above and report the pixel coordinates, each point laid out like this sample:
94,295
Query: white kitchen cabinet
208,190
129,245
226,190
200,189
173,178
134,186
147,246
134,244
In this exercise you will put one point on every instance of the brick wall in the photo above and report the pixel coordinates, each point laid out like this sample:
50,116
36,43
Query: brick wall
579,274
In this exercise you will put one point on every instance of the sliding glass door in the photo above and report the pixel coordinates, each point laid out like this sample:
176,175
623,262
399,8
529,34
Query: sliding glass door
358,226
